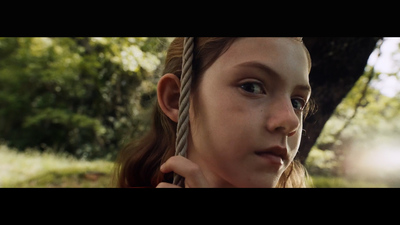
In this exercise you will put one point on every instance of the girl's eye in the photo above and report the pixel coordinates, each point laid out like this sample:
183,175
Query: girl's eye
253,88
298,104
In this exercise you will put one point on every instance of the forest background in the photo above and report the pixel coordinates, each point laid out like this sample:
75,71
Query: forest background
82,99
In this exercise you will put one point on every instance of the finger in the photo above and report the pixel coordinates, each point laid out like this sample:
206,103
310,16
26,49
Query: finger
167,185
187,169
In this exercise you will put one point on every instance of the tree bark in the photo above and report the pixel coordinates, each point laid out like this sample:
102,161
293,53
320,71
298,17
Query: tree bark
337,63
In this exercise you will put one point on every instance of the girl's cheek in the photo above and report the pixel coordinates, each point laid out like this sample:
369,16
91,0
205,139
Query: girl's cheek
294,143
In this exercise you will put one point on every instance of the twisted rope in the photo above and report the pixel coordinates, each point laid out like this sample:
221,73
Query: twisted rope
183,115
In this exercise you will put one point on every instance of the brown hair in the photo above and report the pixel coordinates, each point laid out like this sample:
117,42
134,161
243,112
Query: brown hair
138,163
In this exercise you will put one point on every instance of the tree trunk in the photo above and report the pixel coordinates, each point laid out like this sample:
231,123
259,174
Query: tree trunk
337,63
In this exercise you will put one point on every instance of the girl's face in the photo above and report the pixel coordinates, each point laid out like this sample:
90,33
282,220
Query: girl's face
246,114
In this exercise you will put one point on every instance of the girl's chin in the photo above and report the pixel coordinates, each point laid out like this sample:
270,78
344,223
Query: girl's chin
263,182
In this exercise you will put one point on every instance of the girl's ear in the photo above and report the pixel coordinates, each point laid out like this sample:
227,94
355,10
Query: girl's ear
168,92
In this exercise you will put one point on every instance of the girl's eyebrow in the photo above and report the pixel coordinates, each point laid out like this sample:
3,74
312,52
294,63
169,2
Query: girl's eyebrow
269,70
261,66
306,88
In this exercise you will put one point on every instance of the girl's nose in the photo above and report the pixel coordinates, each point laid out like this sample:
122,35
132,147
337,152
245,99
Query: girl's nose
282,117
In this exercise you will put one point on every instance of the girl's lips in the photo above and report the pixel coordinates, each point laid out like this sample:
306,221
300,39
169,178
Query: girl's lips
272,158
275,155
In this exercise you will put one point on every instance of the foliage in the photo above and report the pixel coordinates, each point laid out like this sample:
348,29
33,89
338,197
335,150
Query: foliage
321,162
84,96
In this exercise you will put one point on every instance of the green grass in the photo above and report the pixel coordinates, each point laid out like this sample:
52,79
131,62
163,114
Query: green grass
339,182
34,169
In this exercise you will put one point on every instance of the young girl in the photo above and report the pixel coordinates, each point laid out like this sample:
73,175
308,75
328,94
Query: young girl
248,99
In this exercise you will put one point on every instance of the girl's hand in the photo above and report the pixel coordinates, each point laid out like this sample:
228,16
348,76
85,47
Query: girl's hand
184,167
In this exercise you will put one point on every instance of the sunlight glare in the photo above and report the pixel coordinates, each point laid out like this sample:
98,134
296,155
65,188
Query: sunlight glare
384,159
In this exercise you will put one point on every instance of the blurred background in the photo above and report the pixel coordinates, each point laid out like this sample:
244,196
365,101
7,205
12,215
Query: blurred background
68,105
